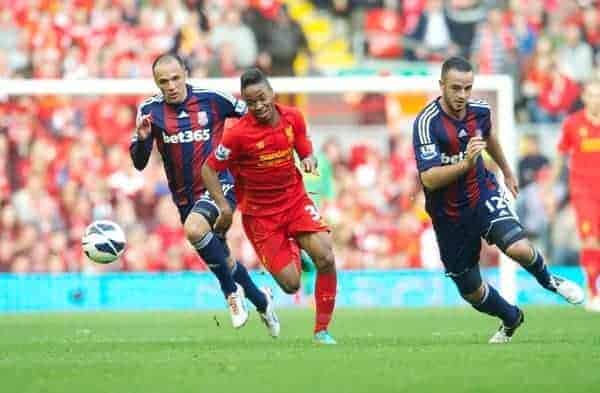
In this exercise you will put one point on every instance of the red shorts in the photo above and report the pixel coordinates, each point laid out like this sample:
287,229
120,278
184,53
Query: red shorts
587,212
273,236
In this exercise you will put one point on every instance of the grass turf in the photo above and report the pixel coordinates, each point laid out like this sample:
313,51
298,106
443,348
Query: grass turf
380,350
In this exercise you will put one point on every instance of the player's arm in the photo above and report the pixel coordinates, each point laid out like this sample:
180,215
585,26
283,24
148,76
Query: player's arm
495,151
218,161
210,177
141,143
303,146
437,177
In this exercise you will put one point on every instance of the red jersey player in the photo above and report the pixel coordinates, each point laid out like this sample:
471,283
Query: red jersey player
580,139
278,216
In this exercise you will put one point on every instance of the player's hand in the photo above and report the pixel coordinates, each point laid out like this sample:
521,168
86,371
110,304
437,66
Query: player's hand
144,127
224,220
309,165
512,184
474,148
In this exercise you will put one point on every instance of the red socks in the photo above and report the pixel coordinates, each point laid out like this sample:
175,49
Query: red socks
325,290
590,261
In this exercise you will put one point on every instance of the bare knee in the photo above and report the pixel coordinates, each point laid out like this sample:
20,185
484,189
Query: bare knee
474,297
325,261
195,227
521,251
290,287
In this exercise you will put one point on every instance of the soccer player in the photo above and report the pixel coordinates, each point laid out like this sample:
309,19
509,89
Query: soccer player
278,216
580,139
465,201
186,122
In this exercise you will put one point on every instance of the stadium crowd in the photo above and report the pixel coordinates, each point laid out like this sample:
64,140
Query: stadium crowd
64,161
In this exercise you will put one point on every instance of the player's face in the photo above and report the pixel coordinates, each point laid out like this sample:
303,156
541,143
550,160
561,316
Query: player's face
259,99
591,98
456,89
170,78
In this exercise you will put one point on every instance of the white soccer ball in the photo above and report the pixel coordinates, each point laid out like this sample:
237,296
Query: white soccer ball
103,241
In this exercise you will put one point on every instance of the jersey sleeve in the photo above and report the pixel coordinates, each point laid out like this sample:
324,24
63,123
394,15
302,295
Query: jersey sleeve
302,143
140,150
425,144
225,153
565,140
229,105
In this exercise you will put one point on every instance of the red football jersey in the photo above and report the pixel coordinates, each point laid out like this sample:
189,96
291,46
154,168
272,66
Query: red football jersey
261,159
580,138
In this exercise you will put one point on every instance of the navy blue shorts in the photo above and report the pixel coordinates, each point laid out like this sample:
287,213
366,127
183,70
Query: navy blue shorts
460,241
207,206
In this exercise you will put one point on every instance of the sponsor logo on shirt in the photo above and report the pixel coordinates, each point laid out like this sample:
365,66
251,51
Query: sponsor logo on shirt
589,145
276,157
454,159
187,136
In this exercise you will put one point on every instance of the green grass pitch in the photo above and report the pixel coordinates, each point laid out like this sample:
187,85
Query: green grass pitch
380,350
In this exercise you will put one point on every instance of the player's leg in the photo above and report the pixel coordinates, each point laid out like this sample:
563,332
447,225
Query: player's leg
311,232
588,225
199,233
590,263
279,254
208,208
508,235
486,299
319,246
460,245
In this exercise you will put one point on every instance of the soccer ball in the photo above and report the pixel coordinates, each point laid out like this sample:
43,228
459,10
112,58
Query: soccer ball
103,241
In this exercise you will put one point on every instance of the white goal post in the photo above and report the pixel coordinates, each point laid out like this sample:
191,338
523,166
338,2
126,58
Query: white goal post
502,85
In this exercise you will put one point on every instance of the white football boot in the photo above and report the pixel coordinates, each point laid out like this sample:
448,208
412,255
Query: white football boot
269,317
505,333
237,307
570,291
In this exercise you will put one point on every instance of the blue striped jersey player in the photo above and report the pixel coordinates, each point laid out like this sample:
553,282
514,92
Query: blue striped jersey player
186,123
465,201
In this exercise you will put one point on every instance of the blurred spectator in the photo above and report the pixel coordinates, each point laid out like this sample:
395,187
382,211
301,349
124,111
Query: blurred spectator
575,57
536,207
531,160
494,45
432,34
558,96
235,33
286,41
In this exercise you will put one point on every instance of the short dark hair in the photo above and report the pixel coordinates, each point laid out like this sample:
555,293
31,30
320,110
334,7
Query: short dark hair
169,56
253,76
456,63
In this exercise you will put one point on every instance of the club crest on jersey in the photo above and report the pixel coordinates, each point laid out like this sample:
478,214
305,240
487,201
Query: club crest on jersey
222,153
260,145
428,152
289,132
202,118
